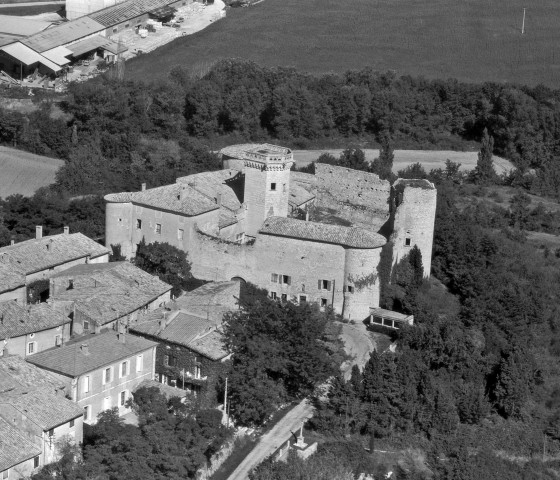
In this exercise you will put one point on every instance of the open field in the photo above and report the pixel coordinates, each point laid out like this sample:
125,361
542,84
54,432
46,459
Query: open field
22,172
472,40
429,159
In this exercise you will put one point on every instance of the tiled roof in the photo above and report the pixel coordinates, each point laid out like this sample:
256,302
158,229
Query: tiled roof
221,182
352,237
13,368
35,255
210,301
180,198
10,276
44,409
63,34
127,10
14,447
210,345
299,195
226,219
102,349
185,329
16,320
107,291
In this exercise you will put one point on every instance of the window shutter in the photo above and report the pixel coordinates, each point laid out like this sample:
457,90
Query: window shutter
289,280
318,284
280,278
329,285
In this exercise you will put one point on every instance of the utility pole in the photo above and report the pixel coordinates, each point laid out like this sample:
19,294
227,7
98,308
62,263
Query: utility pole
523,24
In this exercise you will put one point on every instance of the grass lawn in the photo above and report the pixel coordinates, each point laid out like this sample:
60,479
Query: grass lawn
24,172
472,40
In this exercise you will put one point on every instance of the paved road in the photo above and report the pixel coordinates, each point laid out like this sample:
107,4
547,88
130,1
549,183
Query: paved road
272,440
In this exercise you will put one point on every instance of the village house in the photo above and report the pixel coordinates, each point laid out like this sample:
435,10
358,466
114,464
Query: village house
28,329
23,263
103,369
98,297
191,349
240,223
35,416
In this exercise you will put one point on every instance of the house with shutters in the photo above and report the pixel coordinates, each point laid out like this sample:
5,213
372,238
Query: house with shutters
28,329
98,297
35,418
39,258
103,369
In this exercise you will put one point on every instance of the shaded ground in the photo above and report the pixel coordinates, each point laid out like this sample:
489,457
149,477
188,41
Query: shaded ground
358,344
472,40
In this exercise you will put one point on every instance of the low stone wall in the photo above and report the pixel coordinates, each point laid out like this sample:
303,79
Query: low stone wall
217,460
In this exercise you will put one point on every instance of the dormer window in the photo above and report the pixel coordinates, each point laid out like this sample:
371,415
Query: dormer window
273,186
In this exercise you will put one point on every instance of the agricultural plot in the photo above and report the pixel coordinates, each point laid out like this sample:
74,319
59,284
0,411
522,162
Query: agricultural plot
429,159
471,40
23,172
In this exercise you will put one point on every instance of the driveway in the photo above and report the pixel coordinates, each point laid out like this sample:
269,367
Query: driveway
271,441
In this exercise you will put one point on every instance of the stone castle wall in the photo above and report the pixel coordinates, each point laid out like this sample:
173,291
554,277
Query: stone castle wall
414,222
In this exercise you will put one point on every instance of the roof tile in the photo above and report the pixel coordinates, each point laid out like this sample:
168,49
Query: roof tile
17,320
14,447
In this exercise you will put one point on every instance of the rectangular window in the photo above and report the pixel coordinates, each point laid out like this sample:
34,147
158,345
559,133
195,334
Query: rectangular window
124,369
70,284
324,302
58,340
166,360
284,297
6,474
115,30
87,412
350,289
36,462
273,295
273,186
407,242
180,234
31,348
138,224
106,403
197,371
139,363
324,285
85,384
107,375
158,228
86,325
286,280
302,299
274,277
51,432
122,398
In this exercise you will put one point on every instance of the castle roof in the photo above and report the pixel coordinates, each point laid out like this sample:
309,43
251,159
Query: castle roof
102,349
352,237
211,184
38,254
16,320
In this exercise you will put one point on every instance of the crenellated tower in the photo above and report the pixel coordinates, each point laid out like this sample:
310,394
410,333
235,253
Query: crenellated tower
267,184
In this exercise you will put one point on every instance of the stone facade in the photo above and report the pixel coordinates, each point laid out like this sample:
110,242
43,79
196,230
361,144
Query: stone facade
226,240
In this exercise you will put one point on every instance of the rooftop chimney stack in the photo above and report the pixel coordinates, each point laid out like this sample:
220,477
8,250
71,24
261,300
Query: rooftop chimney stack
143,187
66,230
219,199
163,321
12,242
84,349
121,334
39,232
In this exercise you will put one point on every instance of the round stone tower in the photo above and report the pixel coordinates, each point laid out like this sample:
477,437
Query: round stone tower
414,214
267,184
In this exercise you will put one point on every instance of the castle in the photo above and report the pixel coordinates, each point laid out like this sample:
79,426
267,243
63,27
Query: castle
245,221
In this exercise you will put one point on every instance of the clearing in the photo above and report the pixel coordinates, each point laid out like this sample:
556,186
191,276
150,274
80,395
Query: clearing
429,159
471,40
24,173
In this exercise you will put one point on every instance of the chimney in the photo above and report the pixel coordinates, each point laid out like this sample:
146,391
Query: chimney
84,349
39,232
66,230
121,334
143,187
163,321
12,242
219,199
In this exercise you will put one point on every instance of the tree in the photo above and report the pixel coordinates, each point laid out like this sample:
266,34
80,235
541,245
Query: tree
383,165
169,263
484,172
354,158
